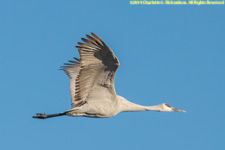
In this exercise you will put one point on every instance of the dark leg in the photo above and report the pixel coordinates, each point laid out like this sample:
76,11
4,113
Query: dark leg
44,116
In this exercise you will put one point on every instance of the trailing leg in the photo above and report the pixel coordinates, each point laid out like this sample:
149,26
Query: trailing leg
44,116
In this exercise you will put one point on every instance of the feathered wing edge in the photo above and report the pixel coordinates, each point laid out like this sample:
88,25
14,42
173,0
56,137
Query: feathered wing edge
69,68
72,70
95,57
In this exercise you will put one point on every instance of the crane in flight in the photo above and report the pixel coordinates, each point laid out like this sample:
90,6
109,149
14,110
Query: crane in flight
92,84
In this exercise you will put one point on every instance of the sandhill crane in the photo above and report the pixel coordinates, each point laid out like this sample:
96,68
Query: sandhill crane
92,84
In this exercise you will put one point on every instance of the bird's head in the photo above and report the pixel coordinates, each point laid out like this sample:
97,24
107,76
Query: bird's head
168,108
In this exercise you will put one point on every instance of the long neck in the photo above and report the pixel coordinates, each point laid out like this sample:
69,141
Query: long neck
127,106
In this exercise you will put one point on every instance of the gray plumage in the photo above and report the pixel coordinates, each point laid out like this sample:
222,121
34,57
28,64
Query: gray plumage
92,83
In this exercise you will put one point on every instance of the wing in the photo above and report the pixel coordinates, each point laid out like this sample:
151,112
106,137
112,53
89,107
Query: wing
98,66
72,69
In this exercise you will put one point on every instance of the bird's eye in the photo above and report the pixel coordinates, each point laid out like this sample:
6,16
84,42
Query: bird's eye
168,105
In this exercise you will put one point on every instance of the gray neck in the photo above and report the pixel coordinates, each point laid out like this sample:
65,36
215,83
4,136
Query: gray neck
126,106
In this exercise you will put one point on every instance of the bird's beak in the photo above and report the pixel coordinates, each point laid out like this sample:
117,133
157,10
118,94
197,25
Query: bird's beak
180,110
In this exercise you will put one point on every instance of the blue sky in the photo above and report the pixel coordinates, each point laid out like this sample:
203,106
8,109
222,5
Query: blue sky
168,54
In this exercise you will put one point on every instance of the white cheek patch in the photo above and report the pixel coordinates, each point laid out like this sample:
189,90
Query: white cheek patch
167,107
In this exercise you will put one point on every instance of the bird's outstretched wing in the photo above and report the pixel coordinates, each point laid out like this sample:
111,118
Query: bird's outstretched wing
72,69
97,68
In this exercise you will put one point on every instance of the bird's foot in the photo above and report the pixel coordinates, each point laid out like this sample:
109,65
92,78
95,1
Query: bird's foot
40,116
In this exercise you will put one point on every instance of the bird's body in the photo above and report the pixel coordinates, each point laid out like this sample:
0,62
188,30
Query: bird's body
109,108
92,84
